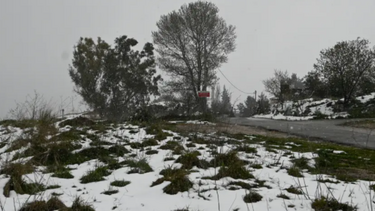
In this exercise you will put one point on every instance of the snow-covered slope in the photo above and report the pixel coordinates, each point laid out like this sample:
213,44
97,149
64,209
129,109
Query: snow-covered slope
309,109
268,174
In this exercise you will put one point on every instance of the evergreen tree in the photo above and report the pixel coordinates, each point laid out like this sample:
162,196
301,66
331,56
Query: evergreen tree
115,82
226,106
263,104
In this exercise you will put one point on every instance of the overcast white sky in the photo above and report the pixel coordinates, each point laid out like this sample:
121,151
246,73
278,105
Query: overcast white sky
37,37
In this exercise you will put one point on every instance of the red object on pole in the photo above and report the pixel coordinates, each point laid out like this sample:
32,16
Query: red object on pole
203,94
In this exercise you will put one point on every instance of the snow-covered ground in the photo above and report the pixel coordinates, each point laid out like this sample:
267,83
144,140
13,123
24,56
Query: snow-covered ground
206,194
307,109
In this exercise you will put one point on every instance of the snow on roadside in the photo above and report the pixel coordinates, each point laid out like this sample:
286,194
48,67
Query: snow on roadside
282,117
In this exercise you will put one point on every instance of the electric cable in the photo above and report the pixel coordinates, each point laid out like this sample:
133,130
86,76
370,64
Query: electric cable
248,93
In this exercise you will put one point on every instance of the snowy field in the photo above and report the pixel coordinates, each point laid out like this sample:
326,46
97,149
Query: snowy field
266,174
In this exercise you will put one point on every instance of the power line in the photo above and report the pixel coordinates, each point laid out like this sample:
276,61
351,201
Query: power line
234,85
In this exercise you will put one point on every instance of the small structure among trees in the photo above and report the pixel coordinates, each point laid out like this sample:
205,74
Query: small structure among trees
284,86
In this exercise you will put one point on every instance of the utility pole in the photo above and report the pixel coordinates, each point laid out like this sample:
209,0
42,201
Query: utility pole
255,93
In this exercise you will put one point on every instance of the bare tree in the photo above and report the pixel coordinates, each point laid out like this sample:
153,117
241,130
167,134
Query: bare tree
345,65
278,84
192,42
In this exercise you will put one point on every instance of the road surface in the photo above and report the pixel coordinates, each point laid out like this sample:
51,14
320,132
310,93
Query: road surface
327,130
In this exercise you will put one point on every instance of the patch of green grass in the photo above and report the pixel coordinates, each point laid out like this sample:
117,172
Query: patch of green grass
344,166
243,185
252,197
169,159
327,181
150,142
101,127
302,163
77,122
175,146
63,174
178,178
328,204
144,143
294,190
91,153
18,144
53,187
295,172
270,149
246,149
151,152
157,130
256,166
138,165
17,184
120,183
3,143
80,205
110,192
190,159
226,159
70,135
230,166
52,154
133,131
135,145
235,171
198,140
354,163
95,175
157,182
118,150
190,145
283,196
261,183
17,169
56,194
52,204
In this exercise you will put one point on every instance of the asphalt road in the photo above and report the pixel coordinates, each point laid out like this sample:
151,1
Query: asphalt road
326,130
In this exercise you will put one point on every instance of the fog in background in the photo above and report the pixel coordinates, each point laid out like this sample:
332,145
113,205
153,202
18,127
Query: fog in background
37,39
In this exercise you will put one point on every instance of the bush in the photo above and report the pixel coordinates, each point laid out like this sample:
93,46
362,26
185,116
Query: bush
95,175
190,159
138,166
252,197
331,204
295,172
80,205
120,183
52,204
178,178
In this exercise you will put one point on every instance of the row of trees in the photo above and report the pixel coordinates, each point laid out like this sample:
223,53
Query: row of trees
251,106
118,82
191,43
345,70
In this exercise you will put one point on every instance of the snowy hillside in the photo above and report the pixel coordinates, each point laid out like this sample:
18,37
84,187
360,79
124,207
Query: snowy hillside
135,167
309,109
